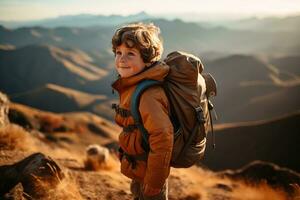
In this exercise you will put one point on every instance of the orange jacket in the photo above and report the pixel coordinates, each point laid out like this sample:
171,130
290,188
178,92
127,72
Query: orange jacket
154,109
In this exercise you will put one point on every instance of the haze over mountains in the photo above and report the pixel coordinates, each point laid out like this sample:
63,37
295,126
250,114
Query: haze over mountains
177,34
86,20
81,20
269,24
251,65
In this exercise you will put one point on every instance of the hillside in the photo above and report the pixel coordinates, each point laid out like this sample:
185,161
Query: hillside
65,137
273,140
56,98
250,89
33,66
289,65
73,129
86,39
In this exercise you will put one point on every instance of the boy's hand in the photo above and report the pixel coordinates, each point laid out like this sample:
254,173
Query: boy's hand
150,191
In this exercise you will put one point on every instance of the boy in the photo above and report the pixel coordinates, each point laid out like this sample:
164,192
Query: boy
137,49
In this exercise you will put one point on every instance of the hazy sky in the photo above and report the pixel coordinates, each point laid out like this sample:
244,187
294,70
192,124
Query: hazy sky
38,9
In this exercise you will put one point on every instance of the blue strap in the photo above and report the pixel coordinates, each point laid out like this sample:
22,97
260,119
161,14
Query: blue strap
134,109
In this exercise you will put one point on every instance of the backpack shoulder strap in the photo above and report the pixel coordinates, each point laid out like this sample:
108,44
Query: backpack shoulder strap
134,109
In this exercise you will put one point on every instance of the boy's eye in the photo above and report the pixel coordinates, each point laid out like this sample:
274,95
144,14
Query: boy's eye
131,54
118,52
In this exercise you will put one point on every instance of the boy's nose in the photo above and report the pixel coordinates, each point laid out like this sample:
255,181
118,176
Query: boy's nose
122,58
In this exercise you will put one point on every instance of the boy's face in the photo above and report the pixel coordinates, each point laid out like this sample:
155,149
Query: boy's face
128,61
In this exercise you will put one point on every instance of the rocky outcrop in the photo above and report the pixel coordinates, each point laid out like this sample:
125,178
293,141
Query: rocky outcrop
37,173
273,175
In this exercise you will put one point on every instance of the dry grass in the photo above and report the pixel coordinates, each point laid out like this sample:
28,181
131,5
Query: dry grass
14,137
261,191
297,191
65,189
49,123
196,183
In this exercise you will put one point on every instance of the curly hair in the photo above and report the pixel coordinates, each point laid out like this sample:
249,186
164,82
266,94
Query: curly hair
144,37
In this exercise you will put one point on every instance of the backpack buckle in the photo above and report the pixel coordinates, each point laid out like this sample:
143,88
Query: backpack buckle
200,115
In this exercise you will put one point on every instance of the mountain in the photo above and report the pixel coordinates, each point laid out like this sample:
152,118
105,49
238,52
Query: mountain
81,59
57,79
177,35
250,89
86,39
269,24
288,65
33,66
274,140
57,98
81,20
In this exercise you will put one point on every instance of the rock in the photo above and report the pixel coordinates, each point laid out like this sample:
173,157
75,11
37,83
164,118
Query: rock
223,187
96,157
37,173
3,109
15,194
273,175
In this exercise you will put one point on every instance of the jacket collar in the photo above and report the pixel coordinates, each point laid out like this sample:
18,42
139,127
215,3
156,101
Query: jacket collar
158,71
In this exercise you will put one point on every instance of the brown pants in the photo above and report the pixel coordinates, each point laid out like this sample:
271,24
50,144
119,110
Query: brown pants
136,189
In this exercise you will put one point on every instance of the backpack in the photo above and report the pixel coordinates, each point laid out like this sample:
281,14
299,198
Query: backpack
188,91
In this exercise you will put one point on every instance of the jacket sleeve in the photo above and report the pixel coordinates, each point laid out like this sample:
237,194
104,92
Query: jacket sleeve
154,109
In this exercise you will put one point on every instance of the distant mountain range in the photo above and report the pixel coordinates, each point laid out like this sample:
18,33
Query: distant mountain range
257,71
177,35
33,66
82,20
269,24
55,79
87,39
59,99
61,80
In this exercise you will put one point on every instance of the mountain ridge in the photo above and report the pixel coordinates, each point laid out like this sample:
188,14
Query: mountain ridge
274,140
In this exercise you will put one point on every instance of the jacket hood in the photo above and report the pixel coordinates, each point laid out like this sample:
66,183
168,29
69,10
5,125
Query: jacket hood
157,72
